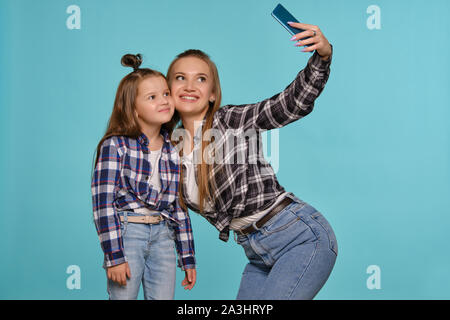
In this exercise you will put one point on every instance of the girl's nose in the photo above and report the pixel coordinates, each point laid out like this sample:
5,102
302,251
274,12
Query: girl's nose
165,100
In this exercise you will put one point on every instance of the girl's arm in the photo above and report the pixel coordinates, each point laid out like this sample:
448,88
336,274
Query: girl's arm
104,181
184,239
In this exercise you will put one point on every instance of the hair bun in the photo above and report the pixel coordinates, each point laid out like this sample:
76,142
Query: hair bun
132,60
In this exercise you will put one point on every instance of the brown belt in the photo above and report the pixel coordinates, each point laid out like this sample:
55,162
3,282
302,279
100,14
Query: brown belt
143,219
251,228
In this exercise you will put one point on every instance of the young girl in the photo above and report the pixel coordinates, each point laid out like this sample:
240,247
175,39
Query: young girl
134,190
290,246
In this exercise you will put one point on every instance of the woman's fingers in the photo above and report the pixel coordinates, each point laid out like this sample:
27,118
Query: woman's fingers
315,39
310,48
307,41
303,34
304,26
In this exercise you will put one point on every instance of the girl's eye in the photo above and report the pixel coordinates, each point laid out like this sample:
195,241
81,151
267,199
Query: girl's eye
151,97
179,78
201,79
166,94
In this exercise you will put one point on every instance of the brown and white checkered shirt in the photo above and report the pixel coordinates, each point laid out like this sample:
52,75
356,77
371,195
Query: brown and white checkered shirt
244,183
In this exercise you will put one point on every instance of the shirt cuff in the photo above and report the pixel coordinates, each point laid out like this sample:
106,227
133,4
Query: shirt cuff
317,63
187,262
114,258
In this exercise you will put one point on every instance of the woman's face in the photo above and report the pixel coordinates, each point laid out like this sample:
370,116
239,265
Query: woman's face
191,86
154,105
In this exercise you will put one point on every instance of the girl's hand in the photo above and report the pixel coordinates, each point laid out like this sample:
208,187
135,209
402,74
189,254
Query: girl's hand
189,281
119,273
317,41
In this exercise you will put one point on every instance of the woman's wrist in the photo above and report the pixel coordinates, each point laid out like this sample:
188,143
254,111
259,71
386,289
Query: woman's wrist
325,58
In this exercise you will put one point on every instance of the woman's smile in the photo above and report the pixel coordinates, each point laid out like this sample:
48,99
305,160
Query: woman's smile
191,86
189,98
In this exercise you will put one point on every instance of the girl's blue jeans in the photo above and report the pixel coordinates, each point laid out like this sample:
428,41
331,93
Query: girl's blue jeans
290,257
150,251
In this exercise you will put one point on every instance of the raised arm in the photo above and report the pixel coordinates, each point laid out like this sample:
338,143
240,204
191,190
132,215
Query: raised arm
297,100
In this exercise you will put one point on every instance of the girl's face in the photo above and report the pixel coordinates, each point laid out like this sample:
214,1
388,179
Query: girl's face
154,105
191,86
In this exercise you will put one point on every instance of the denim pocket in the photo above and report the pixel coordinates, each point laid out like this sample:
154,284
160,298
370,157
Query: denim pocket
240,239
280,221
326,226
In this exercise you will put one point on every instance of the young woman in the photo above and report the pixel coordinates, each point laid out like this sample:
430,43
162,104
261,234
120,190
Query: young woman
290,246
137,213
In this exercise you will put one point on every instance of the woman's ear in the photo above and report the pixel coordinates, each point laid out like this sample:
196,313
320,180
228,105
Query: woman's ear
212,97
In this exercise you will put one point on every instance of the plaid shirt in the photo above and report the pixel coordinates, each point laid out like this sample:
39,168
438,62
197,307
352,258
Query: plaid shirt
242,188
120,183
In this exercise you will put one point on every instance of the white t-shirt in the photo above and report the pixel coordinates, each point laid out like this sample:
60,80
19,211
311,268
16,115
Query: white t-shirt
239,223
154,180
154,162
191,184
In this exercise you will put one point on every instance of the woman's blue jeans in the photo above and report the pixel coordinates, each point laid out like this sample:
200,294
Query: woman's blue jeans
290,257
150,251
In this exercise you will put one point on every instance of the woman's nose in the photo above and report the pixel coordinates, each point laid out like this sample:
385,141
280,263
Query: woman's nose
190,86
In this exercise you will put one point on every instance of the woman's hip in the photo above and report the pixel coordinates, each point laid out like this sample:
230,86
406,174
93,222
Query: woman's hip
297,224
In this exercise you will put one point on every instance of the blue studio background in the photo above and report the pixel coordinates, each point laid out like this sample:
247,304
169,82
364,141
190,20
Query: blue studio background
373,156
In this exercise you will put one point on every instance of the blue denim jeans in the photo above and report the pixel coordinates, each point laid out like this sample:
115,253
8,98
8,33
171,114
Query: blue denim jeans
150,251
290,257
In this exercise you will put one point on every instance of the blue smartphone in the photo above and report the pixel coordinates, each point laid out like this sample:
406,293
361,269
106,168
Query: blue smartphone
283,16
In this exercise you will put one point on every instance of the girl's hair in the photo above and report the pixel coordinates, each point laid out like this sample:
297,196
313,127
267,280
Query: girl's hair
204,187
123,120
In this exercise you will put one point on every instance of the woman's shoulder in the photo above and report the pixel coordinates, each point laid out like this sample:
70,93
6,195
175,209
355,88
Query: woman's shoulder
231,116
222,116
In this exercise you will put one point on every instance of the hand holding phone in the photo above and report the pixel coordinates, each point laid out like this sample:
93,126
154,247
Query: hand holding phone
283,17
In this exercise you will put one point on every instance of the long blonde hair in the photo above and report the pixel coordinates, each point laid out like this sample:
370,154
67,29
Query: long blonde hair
204,169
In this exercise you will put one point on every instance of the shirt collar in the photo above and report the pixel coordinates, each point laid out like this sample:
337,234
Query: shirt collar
144,141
